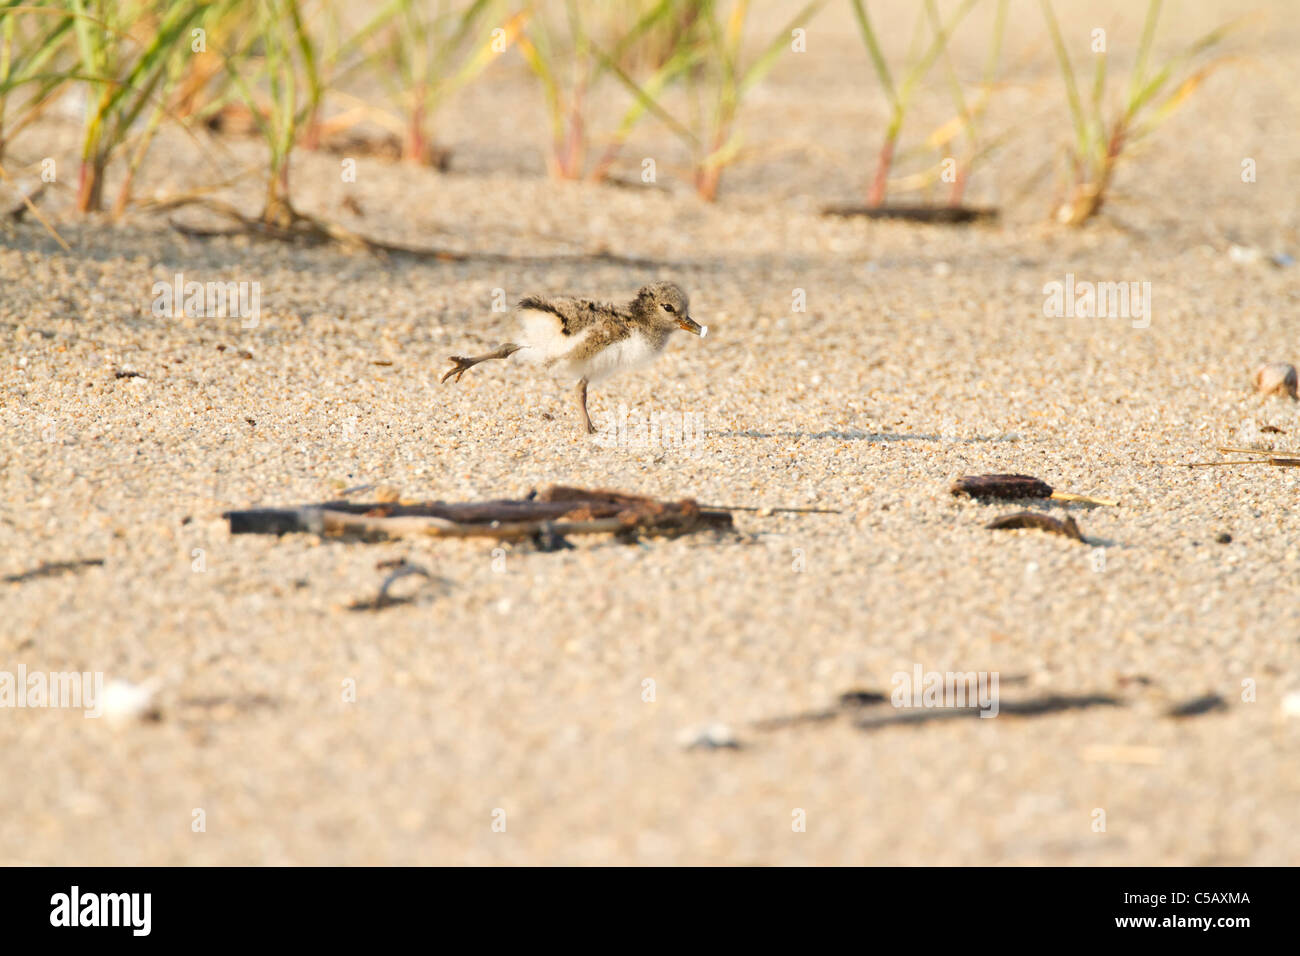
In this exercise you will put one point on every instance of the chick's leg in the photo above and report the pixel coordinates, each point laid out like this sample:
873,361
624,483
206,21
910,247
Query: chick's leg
462,364
582,407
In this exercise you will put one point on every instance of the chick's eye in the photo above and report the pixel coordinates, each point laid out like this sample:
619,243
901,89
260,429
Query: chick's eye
669,309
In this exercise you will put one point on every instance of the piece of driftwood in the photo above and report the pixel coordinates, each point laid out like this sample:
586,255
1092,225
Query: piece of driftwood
869,711
851,701
935,215
773,510
27,203
547,516
1017,486
1030,707
1030,519
28,195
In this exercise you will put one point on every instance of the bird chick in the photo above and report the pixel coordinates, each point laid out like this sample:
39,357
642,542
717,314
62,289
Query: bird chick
589,340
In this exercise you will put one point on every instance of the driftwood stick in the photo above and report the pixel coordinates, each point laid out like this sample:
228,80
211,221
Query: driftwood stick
1259,451
307,517
1281,459
775,510
336,523
556,510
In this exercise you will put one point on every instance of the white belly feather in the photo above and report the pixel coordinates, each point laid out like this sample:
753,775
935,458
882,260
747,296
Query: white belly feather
542,337
546,344
622,356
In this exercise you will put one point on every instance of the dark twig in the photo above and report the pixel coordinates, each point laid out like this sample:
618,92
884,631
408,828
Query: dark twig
51,569
314,231
383,599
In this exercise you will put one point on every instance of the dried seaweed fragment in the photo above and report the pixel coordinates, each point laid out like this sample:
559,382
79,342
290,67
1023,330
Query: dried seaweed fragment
1001,486
384,599
1197,706
861,698
1033,519
1017,486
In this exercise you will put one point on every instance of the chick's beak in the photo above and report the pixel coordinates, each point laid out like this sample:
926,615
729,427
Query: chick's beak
690,325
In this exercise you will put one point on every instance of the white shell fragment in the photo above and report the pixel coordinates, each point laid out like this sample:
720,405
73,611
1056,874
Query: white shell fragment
122,701
704,330
708,737
1276,378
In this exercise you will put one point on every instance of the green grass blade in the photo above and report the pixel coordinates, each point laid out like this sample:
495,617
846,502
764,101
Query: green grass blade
763,64
873,49
1077,113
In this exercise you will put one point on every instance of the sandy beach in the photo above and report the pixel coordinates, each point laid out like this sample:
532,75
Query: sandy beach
527,707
